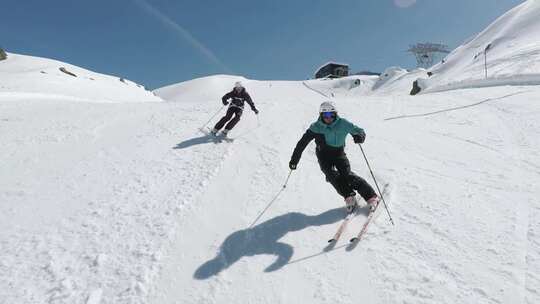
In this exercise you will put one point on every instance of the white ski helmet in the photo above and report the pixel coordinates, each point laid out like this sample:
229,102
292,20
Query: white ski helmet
327,106
238,84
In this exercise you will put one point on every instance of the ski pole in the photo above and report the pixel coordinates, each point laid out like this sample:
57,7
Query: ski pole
212,117
273,200
287,180
376,184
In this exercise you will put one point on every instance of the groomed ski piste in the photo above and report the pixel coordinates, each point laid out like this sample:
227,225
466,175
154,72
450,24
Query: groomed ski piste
120,198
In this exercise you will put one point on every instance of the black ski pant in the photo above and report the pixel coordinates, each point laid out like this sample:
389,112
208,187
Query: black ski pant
236,111
337,170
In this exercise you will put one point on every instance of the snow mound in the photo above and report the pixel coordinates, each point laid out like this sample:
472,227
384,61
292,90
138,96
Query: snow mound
513,54
346,86
396,79
204,88
27,76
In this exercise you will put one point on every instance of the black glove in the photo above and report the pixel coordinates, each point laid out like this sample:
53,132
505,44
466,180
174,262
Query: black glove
256,111
225,103
359,138
292,166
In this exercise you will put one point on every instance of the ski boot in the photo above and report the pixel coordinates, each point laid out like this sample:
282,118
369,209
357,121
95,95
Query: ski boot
351,203
214,131
224,132
373,202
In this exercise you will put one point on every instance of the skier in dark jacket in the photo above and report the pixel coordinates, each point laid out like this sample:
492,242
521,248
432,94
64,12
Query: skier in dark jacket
238,96
329,132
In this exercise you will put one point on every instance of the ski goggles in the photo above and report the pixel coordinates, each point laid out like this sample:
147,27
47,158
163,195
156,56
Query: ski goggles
328,114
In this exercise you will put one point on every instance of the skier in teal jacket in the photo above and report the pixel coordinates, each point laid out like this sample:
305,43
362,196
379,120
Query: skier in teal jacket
329,132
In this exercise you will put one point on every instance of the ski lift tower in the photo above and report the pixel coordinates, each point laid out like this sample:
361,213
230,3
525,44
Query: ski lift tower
426,53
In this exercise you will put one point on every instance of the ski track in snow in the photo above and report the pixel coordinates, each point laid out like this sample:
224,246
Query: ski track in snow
148,210
108,195
503,254
445,247
109,246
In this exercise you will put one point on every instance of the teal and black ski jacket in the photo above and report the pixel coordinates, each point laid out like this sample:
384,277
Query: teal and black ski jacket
329,138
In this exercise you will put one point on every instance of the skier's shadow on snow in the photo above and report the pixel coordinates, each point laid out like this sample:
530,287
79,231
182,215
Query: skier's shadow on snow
264,239
205,139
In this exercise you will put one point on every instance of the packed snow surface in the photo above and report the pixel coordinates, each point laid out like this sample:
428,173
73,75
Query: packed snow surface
105,198
130,203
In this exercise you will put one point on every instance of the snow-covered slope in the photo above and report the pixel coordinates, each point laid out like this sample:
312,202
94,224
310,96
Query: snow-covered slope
213,87
342,87
129,203
396,79
453,173
513,56
22,75
206,88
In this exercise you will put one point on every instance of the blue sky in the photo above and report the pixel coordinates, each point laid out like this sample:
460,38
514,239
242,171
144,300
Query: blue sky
159,42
